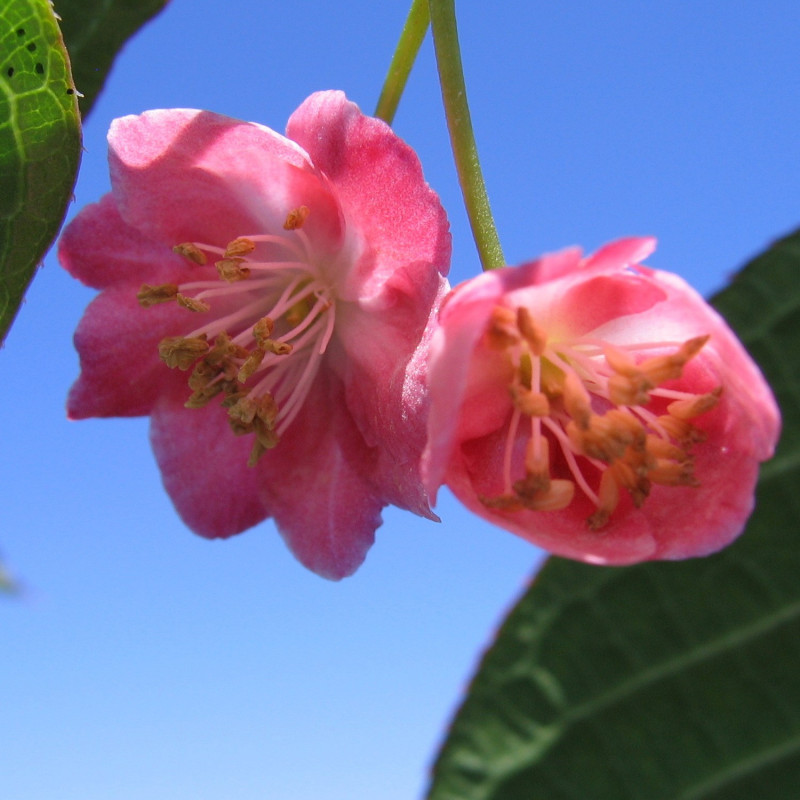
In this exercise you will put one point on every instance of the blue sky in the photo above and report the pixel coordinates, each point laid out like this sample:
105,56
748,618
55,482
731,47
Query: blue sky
144,662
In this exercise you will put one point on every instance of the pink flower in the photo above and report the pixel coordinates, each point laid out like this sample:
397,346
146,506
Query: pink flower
287,282
597,408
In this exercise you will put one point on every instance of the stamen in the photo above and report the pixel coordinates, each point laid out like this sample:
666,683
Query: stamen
273,324
231,269
180,352
592,398
688,409
192,304
534,334
151,295
296,218
240,247
191,251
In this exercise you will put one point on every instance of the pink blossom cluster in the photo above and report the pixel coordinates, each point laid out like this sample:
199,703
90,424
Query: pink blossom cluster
278,306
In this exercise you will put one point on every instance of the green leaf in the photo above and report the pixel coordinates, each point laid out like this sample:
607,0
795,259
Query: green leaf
662,681
95,31
39,144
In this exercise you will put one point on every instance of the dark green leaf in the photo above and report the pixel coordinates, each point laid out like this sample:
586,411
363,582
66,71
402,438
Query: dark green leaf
39,143
663,681
95,31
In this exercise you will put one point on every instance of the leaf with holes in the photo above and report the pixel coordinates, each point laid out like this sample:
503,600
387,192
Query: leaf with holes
95,31
40,144
662,681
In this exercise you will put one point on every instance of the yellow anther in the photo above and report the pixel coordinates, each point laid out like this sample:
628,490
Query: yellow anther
620,361
231,269
663,448
501,332
631,473
577,400
533,333
262,330
279,348
557,496
533,404
251,364
191,304
668,368
296,217
239,247
152,295
695,406
624,424
182,352
608,499
673,473
681,430
191,251
630,391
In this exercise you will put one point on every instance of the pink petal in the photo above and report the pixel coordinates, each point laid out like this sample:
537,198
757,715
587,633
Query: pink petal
320,489
101,250
379,181
117,340
382,363
181,175
204,467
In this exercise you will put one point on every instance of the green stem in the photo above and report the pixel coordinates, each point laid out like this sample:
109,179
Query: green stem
414,31
462,138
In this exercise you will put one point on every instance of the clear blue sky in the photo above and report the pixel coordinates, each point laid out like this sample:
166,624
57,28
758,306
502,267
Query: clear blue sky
144,662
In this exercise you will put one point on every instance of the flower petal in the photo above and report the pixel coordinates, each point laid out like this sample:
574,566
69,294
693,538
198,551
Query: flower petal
222,178
204,468
121,373
101,250
379,181
320,489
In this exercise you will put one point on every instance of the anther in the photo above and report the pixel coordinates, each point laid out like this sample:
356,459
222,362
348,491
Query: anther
239,247
182,352
533,333
251,364
296,217
262,330
608,496
667,368
231,269
624,390
695,406
577,401
191,251
502,332
198,306
152,295
532,404
672,473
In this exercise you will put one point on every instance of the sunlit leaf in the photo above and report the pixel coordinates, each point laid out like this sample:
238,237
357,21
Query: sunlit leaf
95,31
663,681
39,143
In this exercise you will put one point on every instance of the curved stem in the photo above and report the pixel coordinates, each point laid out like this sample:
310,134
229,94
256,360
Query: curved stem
462,138
414,30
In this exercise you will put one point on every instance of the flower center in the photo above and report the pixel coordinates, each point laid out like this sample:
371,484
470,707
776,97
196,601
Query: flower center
590,399
268,317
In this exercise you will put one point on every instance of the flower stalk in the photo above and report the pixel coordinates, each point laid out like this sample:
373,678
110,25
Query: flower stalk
462,138
414,30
